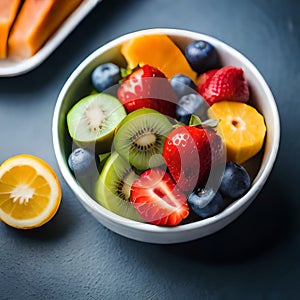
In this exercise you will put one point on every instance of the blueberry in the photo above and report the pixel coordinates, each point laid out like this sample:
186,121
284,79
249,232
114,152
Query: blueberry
201,56
190,104
83,162
235,181
105,76
205,201
182,84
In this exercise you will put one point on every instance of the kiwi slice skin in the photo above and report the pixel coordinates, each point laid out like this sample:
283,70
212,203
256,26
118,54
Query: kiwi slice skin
92,121
140,138
113,187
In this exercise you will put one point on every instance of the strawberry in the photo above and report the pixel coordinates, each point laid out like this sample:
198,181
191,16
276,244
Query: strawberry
157,199
147,87
190,153
204,79
227,83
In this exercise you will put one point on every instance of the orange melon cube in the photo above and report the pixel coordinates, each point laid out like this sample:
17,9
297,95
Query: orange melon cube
8,13
158,51
36,22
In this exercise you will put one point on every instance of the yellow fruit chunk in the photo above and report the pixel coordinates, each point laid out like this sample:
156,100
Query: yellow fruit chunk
242,129
30,192
158,51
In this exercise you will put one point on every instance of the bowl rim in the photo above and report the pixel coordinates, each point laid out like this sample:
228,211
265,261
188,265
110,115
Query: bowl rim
93,206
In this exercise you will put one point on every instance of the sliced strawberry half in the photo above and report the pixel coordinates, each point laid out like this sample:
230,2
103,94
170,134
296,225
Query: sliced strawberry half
227,83
148,87
157,199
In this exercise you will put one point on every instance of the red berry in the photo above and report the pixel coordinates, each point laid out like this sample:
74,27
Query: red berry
227,83
203,80
157,199
190,153
148,87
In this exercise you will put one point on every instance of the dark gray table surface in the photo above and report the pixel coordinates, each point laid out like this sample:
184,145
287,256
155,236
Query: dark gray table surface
75,257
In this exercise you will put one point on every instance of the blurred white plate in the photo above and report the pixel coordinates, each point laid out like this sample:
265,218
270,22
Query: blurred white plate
10,68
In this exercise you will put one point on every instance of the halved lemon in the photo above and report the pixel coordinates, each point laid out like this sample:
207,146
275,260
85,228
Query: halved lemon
30,192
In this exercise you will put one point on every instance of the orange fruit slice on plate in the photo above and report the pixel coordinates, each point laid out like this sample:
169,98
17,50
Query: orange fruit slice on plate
241,127
30,192
157,51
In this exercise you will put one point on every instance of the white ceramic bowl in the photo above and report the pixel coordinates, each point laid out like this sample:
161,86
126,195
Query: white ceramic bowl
78,85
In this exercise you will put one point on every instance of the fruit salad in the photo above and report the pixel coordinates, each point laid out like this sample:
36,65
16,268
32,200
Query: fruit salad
165,139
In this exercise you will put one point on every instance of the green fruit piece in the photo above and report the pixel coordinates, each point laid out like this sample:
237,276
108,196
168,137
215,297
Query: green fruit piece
92,121
113,188
140,138
103,158
93,92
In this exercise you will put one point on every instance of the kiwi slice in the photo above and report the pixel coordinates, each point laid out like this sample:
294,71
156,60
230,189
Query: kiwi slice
113,188
92,121
140,138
